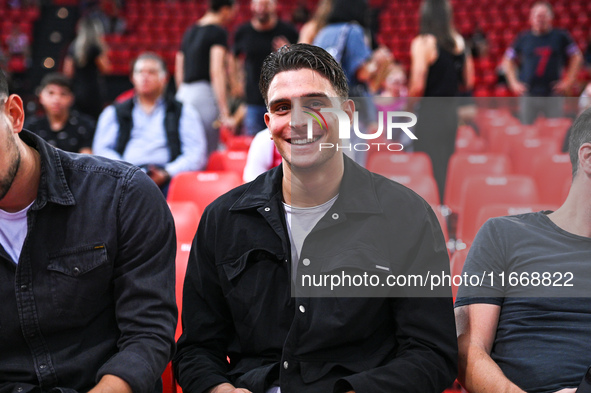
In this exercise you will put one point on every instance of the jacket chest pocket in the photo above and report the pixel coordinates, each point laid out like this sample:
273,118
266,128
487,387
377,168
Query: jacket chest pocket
254,281
80,280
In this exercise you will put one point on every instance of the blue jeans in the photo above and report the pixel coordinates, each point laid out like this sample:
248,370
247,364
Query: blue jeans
254,120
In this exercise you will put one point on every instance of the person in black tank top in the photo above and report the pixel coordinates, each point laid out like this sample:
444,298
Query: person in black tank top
439,64
201,68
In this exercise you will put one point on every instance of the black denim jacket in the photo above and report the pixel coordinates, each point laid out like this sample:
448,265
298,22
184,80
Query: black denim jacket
237,300
93,291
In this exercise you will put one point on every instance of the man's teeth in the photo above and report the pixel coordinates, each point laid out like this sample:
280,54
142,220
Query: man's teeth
304,141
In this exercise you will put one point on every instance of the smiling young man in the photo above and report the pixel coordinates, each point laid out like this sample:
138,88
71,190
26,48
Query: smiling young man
317,212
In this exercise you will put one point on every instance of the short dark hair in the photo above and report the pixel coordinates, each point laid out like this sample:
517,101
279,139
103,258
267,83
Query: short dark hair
216,5
150,56
298,56
3,84
56,78
580,133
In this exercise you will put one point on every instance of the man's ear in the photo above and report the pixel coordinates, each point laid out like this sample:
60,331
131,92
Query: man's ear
349,108
585,158
267,121
15,112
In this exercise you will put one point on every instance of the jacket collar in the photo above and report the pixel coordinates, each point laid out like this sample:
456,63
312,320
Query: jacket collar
357,193
53,186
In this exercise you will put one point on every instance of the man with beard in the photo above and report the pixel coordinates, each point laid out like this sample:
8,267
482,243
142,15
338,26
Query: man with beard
255,40
86,280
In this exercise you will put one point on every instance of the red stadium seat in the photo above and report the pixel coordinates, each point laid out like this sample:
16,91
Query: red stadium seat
491,118
468,142
524,153
553,128
186,219
228,160
424,185
239,142
462,165
500,139
202,187
396,164
169,384
553,176
482,190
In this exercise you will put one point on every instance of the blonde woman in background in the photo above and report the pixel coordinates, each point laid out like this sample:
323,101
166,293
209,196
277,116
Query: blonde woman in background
86,62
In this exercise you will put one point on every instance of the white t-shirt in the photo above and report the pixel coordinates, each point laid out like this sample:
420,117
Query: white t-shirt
300,222
260,156
13,231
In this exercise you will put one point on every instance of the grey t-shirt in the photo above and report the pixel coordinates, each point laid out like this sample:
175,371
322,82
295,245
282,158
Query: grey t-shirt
542,344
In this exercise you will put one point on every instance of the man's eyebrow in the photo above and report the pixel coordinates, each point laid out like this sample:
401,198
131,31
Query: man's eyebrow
281,100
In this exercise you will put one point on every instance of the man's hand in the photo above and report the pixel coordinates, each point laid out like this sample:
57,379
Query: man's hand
562,87
111,384
518,88
567,390
158,175
227,388
279,41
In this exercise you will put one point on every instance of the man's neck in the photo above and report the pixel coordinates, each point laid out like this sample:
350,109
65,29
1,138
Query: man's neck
541,31
148,102
211,18
270,24
309,188
574,216
57,121
26,182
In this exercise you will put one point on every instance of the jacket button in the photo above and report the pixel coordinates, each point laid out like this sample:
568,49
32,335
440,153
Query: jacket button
302,309
42,366
335,216
306,262
19,389
24,287
267,209
285,365
76,271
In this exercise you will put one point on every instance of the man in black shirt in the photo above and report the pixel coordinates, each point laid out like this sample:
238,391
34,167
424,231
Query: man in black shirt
255,40
541,54
316,212
63,128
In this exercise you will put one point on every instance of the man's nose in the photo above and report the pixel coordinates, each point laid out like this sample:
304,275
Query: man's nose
299,118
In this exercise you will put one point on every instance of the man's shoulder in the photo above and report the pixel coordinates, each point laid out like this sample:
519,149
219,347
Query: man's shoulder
250,195
244,28
518,222
89,164
82,119
560,32
283,26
